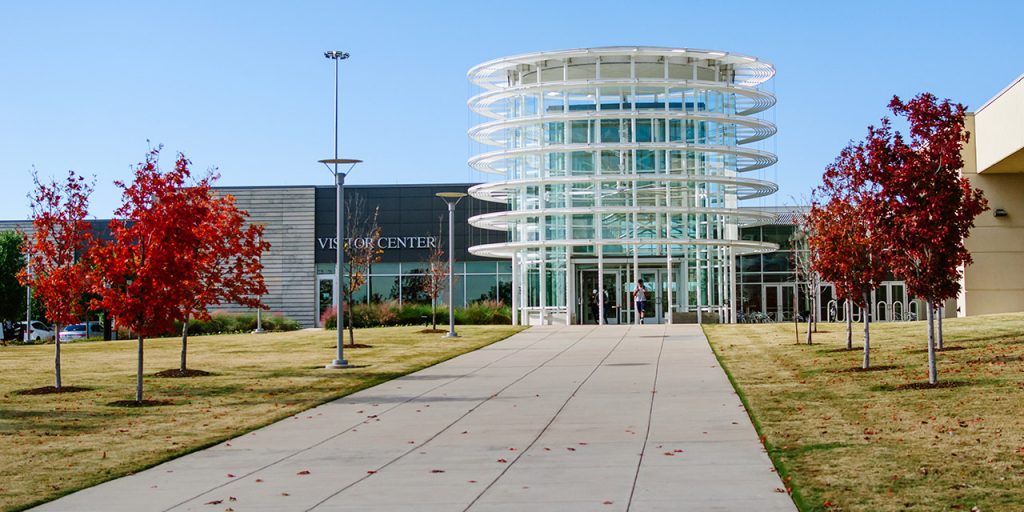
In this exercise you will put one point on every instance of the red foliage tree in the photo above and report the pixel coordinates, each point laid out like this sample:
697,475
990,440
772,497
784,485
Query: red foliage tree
226,259
927,207
58,271
844,244
436,278
149,269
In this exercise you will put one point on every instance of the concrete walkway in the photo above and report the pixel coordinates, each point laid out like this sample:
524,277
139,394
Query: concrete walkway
555,418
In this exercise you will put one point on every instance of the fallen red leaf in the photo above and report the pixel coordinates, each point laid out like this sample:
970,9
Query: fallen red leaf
303,472
230,475
503,461
215,502
437,471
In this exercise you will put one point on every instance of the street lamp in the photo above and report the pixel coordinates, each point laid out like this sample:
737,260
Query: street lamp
259,309
451,199
339,183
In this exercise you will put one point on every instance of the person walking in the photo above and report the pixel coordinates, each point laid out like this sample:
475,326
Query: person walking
640,299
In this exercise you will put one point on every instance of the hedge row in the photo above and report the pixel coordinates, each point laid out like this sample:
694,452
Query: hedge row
392,313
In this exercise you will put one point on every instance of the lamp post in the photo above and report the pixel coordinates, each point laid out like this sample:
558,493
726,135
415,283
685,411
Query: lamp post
259,310
451,199
339,183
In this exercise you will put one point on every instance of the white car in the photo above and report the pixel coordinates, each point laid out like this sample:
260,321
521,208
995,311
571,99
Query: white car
81,331
39,331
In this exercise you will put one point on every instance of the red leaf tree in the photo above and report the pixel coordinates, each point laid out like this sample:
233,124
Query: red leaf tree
226,260
927,207
150,267
844,243
58,271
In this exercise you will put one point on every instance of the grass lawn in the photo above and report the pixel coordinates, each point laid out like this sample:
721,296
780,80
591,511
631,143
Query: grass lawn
847,439
51,445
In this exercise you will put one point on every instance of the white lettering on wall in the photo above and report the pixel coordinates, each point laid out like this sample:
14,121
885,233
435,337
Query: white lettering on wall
384,242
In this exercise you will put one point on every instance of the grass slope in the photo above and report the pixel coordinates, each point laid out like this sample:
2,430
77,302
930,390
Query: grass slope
875,441
51,445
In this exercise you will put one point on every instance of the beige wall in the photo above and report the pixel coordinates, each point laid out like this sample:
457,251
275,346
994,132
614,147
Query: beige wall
995,282
999,127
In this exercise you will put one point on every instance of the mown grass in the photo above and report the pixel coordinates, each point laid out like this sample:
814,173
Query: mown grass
852,440
54,444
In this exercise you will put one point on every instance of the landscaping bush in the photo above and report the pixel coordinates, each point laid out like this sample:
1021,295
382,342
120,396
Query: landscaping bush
390,313
224,323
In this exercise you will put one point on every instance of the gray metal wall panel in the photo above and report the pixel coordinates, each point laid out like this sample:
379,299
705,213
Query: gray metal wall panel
288,214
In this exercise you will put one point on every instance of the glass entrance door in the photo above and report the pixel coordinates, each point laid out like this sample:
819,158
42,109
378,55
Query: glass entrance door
779,301
588,301
325,295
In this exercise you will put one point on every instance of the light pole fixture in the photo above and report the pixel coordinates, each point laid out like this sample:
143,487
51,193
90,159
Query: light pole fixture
339,183
451,199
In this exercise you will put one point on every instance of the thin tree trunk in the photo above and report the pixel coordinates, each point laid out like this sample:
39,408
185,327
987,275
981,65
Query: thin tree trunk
351,321
184,344
939,320
56,356
810,327
867,336
849,324
433,313
138,374
933,374
796,324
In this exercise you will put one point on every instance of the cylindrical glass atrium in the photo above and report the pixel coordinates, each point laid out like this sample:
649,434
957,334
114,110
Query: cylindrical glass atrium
622,164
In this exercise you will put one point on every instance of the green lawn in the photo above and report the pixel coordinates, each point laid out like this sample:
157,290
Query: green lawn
51,445
852,440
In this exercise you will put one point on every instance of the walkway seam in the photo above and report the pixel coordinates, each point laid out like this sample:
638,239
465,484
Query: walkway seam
552,420
361,422
650,418
450,425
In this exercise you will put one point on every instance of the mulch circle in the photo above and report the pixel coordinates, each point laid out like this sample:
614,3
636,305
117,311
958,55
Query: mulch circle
177,373
432,331
50,390
943,384
871,369
143,403
352,345
937,349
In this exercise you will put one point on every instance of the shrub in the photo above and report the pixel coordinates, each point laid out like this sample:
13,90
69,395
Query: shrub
223,323
390,313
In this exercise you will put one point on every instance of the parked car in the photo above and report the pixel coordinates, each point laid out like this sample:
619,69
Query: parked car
39,331
81,331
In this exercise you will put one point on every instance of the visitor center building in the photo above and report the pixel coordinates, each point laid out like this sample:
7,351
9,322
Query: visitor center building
618,165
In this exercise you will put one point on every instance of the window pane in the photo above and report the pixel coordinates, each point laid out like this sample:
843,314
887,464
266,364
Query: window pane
383,288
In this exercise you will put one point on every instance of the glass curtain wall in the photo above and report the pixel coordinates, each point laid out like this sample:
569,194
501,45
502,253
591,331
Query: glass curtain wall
630,154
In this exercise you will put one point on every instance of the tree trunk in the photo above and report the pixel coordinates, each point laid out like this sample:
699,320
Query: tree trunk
433,313
796,324
933,374
56,356
351,320
939,320
848,307
184,344
138,374
810,327
867,335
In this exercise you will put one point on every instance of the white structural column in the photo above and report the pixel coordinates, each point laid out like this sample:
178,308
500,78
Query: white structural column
614,133
515,289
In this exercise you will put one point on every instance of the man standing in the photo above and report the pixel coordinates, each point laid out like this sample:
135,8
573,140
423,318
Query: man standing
640,299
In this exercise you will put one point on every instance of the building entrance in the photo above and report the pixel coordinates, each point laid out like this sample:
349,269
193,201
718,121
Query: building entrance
619,284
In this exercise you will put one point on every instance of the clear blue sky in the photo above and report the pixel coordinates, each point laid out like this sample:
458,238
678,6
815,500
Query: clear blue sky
244,86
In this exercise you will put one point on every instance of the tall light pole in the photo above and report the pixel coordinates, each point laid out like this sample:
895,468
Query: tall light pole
259,310
451,199
339,183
